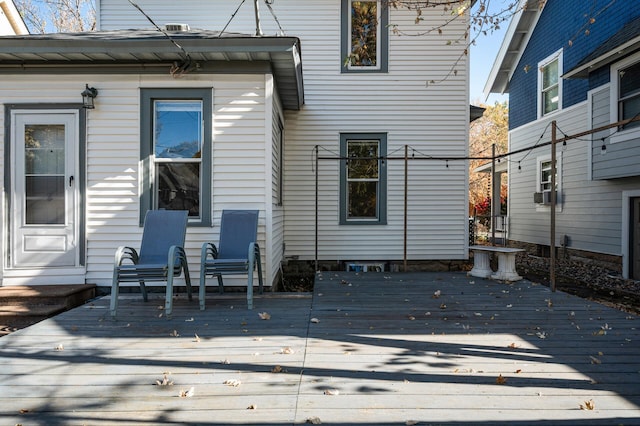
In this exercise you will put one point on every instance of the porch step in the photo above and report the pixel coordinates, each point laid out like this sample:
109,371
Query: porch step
22,306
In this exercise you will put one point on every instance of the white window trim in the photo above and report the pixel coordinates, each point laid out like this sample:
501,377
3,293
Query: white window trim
628,134
377,66
539,160
541,64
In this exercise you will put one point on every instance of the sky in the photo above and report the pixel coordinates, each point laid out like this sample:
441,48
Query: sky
482,55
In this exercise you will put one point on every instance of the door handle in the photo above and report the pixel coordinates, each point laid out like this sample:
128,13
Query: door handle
70,180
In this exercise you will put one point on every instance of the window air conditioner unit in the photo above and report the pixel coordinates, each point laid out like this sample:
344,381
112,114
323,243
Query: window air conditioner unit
544,197
537,197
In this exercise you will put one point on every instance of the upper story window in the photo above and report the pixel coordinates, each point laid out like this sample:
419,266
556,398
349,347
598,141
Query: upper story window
625,97
364,36
550,84
629,94
176,151
363,179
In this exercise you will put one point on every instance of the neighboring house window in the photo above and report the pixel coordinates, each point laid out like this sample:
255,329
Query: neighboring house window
626,81
545,176
175,149
365,37
550,84
363,178
543,181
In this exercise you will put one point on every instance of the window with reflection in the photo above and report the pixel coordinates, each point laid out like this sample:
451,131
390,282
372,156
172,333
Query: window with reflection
176,151
364,36
363,179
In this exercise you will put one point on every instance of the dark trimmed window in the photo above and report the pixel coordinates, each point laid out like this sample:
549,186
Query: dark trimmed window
629,94
363,178
175,150
365,36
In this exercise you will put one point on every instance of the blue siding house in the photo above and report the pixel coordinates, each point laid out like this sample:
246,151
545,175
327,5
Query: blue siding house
577,63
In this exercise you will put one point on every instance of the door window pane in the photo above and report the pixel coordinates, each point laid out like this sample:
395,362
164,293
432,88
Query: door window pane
44,174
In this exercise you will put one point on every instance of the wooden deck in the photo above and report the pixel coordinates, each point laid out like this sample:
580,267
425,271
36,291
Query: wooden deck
370,349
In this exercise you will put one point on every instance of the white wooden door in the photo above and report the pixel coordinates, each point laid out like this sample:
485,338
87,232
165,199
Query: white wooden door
44,191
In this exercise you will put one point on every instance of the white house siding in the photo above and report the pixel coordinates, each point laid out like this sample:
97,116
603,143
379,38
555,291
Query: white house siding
589,210
113,140
433,120
276,252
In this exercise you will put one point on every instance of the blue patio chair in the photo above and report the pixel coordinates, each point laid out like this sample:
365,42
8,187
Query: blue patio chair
237,253
161,257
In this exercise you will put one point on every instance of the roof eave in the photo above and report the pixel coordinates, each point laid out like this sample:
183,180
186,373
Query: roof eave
512,47
609,57
32,53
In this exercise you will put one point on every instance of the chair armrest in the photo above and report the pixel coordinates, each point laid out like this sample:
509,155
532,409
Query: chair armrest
177,255
126,253
208,250
254,252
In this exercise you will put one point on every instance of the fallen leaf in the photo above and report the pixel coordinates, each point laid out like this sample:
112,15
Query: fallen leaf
513,346
232,382
443,306
277,369
252,407
187,394
588,405
436,294
189,320
314,421
331,392
518,371
164,382
315,320
594,360
264,316
501,380
60,347
24,411
287,351
225,361
175,333
411,318
197,339
541,335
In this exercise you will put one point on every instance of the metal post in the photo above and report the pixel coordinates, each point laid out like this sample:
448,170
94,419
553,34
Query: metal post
406,197
552,225
493,194
316,253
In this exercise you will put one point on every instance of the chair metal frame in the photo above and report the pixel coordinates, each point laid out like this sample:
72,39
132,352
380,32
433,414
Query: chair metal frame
161,257
228,258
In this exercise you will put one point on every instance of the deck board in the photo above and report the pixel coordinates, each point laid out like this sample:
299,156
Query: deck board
373,348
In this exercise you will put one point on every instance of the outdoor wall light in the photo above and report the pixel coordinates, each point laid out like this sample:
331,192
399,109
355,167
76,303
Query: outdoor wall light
88,95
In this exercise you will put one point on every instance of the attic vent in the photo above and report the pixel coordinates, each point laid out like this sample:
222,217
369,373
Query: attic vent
176,27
